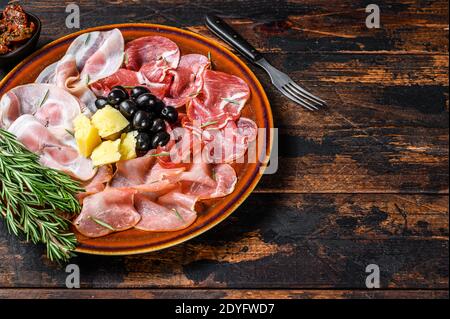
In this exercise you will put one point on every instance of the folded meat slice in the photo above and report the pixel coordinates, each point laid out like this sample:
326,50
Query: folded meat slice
91,57
106,212
153,57
98,183
52,152
225,182
229,143
50,104
156,217
132,172
221,99
121,77
157,54
187,79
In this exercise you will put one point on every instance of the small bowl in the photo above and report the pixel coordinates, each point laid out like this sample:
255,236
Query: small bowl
26,48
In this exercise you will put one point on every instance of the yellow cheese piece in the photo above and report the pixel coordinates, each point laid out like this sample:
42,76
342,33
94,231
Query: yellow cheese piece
128,145
108,121
106,153
86,135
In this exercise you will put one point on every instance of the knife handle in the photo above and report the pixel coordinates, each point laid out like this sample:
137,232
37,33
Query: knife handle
230,36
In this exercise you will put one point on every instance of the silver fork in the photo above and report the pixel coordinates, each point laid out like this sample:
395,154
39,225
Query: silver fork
281,80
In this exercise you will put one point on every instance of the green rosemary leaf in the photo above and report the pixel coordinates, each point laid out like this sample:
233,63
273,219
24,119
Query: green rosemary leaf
87,39
44,98
178,214
31,196
231,101
160,154
102,223
208,124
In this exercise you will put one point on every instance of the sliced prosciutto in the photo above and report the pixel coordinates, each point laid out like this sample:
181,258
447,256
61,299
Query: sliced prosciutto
106,212
229,143
225,182
91,57
98,183
157,217
51,105
121,77
47,143
153,57
221,99
187,79
132,172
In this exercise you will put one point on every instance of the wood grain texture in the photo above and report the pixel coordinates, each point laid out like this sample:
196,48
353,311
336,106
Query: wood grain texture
365,181
303,242
218,293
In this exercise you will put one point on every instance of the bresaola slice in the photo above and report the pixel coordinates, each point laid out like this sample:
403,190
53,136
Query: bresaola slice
108,211
221,99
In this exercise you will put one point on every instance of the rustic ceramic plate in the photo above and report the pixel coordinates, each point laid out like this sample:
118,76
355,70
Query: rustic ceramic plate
211,212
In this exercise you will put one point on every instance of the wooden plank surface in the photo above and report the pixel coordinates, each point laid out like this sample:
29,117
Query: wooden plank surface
218,293
365,181
303,241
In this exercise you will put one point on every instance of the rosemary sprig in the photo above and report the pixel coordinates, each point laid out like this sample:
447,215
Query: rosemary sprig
160,154
231,101
36,201
88,37
208,124
102,223
178,214
70,132
42,101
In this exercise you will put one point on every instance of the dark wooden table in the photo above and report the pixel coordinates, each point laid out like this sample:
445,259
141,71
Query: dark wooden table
365,182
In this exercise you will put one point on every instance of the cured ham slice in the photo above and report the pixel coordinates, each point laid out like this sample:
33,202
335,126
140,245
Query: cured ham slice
229,143
187,79
51,105
121,77
40,140
157,54
132,172
225,182
153,57
98,183
156,217
222,98
106,212
91,57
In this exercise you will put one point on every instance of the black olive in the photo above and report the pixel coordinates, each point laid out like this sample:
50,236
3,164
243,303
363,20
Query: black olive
101,102
128,108
116,96
158,107
138,91
146,101
160,139
170,114
143,142
120,87
142,120
158,125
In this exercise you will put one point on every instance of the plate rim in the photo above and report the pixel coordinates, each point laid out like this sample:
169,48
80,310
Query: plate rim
239,200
